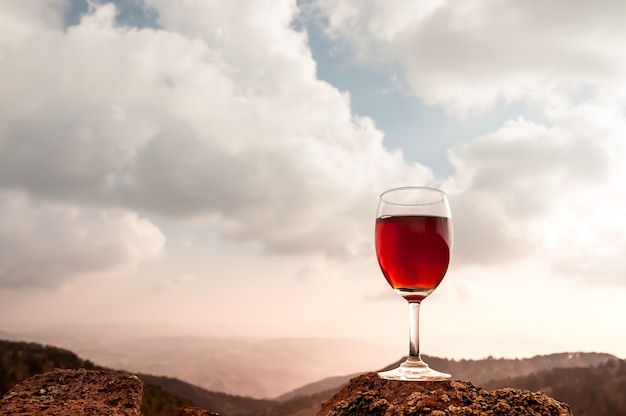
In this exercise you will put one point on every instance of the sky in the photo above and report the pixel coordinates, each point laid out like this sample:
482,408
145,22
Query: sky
212,167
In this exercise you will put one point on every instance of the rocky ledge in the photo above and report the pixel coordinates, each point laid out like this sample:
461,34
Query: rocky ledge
103,392
372,396
75,392
81,393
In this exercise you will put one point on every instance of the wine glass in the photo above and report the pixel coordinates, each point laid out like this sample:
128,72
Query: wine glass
413,246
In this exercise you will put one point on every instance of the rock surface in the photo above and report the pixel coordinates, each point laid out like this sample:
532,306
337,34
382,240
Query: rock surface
75,392
369,395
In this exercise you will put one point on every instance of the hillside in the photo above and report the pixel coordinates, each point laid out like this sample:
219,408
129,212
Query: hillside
225,404
20,360
482,371
329,383
592,383
590,391
307,400
475,371
262,368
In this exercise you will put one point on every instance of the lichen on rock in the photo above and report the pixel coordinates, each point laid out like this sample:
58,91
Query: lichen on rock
369,395
75,392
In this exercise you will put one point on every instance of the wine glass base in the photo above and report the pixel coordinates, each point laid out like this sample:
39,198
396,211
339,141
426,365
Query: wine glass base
414,371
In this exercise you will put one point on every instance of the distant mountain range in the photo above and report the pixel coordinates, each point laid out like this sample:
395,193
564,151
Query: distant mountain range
597,390
254,367
480,372
525,373
592,383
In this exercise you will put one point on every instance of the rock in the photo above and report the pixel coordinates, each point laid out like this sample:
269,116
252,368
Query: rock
75,392
370,395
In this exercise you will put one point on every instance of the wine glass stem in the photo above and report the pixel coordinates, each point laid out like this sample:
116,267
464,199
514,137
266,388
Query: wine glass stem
414,332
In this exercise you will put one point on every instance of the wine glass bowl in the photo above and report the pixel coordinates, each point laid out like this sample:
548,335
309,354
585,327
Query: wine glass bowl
413,239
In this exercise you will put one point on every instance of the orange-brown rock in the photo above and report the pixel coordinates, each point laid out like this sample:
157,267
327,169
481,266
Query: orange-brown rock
368,395
75,392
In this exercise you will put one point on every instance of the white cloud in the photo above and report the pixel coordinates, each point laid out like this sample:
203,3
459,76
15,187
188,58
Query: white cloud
527,190
27,19
320,271
370,25
217,116
47,244
213,123
469,55
549,189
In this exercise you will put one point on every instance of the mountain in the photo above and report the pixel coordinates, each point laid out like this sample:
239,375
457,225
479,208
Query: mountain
20,360
329,383
591,383
476,371
307,400
482,371
225,404
252,367
162,395
307,405
598,390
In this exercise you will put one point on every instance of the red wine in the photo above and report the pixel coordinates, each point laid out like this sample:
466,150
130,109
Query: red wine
413,251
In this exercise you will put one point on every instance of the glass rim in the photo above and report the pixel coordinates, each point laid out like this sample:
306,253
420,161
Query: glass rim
404,188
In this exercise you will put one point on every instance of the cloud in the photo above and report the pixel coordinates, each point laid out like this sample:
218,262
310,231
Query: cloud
216,116
49,245
470,55
320,271
528,190
366,23
546,189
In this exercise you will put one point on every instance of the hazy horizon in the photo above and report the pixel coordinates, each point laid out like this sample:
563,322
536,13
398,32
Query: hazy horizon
116,331
263,368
